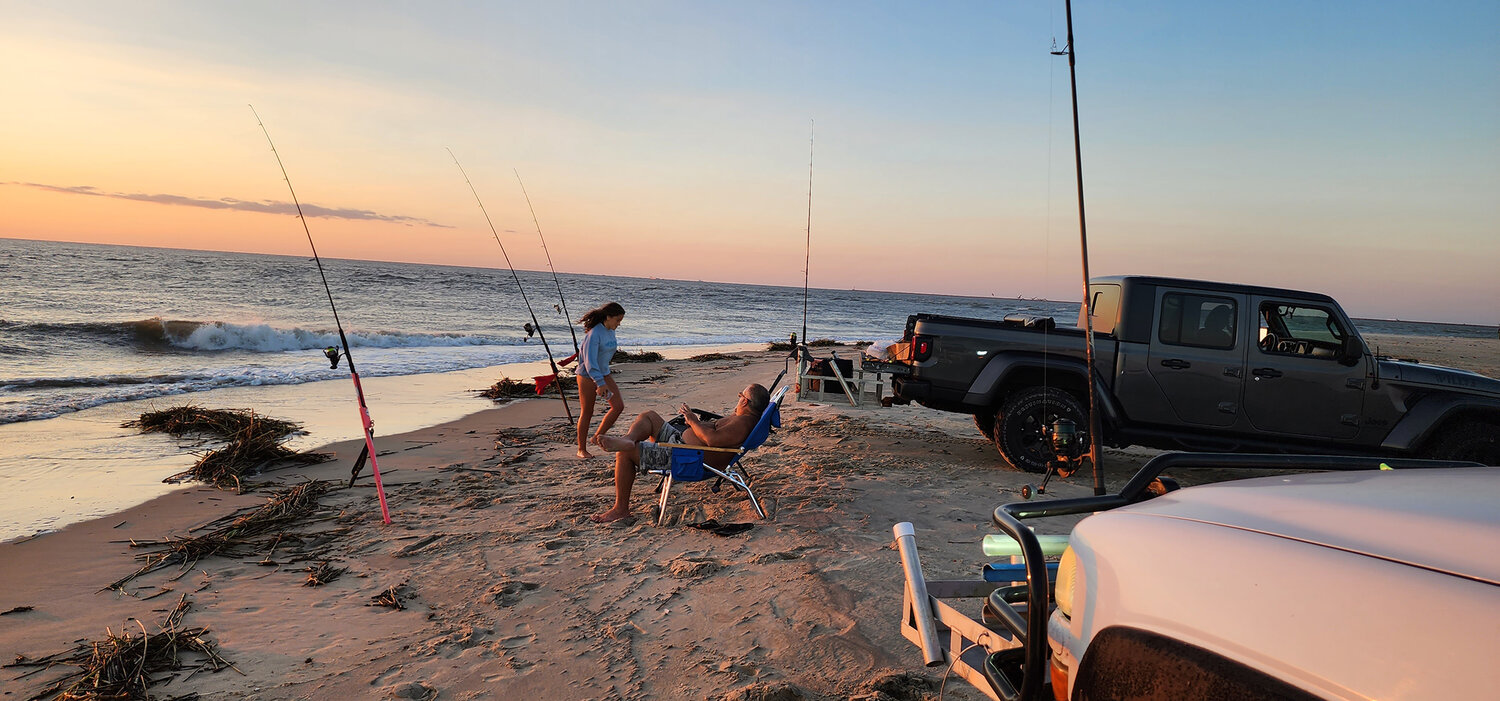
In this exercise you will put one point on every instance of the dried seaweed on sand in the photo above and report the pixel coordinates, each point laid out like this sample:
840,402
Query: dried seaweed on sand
244,535
124,666
641,357
224,423
391,598
706,357
324,573
779,346
255,442
507,388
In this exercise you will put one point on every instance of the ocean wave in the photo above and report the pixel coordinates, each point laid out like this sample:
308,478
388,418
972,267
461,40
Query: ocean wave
171,334
30,399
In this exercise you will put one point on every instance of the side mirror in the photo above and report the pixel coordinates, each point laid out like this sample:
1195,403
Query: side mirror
1352,352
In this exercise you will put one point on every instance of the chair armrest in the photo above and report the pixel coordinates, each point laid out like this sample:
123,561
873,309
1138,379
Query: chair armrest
699,447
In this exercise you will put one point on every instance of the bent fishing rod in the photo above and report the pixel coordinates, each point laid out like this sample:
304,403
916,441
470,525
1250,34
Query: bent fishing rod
333,353
537,324
560,296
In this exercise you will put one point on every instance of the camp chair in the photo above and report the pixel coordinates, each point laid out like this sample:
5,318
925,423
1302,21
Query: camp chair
687,461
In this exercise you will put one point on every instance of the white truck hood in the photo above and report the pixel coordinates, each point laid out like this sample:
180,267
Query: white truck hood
1446,520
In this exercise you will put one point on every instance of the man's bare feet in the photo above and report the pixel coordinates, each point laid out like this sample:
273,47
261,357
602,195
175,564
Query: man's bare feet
614,444
584,454
609,516
598,440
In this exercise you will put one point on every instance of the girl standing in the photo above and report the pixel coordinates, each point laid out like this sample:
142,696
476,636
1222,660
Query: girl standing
594,378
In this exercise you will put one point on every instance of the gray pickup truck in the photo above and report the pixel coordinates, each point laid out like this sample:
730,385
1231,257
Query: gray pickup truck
1203,366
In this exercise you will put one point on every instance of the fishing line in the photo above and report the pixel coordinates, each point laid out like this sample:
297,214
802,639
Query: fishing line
561,395
567,317
332,353
807,258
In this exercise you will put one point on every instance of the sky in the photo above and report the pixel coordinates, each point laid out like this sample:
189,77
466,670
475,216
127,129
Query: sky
1345,148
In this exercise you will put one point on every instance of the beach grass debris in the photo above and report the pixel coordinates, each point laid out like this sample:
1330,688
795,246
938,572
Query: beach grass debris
253,442
706,357
507,388
322,574
622,356
244,535
784,347
391,598
124,666
190,419
250,453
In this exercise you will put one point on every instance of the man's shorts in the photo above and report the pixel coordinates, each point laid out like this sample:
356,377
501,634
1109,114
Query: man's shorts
656,457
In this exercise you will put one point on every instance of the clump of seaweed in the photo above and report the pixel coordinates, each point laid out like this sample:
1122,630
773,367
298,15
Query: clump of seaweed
243,535
224,423
254,442
391,598
780,346
324,573
122,667
641,357
507,388
705,357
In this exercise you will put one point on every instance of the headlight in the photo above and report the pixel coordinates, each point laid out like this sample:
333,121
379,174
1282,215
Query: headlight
1067,570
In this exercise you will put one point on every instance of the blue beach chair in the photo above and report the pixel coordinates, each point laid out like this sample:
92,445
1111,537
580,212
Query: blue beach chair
687,461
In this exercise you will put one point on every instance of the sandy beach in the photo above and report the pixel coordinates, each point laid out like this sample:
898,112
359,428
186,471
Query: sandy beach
510,591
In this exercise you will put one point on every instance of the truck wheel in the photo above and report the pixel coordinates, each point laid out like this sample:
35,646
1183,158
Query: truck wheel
1475,441
1018,431
985,421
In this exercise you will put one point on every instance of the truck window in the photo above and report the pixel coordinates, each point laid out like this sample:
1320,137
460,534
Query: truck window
1290,329
1105,305
1197,320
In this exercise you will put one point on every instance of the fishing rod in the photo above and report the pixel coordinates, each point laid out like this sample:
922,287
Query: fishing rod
566,316
798,349
537,324
333,353
807,258
1095,454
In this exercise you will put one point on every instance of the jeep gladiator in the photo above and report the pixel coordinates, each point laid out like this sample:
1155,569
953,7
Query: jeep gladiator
1195,365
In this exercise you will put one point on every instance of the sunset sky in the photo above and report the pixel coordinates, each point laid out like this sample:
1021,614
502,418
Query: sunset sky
1347,148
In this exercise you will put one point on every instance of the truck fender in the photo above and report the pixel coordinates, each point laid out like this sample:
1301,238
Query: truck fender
985,390
1430,413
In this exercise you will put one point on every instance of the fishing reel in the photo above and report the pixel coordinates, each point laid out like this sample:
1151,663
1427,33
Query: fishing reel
333,356
1067,454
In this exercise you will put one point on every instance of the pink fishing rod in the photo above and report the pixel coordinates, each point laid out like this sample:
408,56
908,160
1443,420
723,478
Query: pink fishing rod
333,353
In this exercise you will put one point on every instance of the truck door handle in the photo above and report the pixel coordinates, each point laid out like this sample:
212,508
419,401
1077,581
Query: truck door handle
1233,371
1176,364
1260,373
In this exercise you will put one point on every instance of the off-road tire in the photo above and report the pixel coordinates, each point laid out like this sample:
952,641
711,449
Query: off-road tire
1018,430
1475,441
985,422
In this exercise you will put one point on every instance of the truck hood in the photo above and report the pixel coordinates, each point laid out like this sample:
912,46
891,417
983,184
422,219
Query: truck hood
1411,372
1444,520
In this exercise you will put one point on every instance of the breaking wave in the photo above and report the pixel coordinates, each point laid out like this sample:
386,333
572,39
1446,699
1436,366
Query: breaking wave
161,334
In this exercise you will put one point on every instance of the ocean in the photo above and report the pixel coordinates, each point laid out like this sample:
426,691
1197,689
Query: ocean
90,335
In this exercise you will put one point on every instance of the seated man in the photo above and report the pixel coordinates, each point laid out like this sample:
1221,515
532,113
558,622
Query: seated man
637,451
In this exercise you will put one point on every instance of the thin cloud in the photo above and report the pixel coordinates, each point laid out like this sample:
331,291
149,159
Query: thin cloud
263,207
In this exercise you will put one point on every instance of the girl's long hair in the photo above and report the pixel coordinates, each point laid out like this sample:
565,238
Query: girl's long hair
594,317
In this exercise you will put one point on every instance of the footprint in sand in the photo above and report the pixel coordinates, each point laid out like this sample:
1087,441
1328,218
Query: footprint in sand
516,642
509,593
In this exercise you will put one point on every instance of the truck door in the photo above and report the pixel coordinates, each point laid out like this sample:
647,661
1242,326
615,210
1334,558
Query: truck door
1197,354
1297,384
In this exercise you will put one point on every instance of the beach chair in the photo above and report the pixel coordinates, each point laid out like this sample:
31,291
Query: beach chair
687,461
